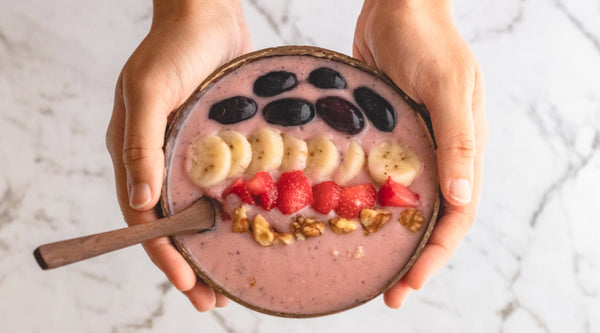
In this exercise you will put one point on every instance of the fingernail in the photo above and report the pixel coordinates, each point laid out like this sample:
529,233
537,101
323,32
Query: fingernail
460,190
405,297
139,196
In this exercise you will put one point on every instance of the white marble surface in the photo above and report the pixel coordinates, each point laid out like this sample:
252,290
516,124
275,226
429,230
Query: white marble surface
531,262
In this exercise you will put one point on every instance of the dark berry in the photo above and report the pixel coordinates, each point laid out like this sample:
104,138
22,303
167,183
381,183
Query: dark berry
289,112
378,110
326,78
274,83
233,110
340,114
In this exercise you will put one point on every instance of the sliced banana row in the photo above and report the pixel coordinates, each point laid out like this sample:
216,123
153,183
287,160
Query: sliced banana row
215,158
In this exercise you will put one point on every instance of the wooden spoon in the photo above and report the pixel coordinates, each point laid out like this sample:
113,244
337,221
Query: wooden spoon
198,217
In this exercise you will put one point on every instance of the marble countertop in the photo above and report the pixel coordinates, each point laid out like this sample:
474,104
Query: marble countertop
530,263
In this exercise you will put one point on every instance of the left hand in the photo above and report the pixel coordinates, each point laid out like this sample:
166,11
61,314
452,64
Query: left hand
417,45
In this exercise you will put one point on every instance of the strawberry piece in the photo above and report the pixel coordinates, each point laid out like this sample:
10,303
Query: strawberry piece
355,198
295,192
326,196
264,189
240,188
397,195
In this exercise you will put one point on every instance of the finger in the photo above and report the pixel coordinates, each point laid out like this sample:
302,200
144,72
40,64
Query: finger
397,294
450,104
222,300
446,236
164,255
145,123
202,297
160,250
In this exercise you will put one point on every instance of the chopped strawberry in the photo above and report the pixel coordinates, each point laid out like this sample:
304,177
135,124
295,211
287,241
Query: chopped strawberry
263,187
295,192
240,188
326,196
397,195
355,198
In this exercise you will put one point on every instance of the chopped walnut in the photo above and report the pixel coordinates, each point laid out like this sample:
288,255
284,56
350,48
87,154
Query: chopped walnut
340,225
284,238
305,227
373,220
412,219
241,223
262,232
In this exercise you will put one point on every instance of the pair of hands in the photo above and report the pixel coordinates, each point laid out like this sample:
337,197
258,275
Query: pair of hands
417,45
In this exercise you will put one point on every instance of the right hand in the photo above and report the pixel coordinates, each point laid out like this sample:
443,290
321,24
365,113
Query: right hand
188,39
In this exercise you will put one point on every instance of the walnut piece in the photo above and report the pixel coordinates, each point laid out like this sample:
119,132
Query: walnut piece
284,238
340,225
262,232
412,219
305,227
373,220
241,223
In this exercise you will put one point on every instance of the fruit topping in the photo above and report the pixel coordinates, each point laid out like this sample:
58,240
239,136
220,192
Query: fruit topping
322,157
355,198
340,225
264,189
372,220
352,164
325,197
340,114
233,110
412,219
389,159
378,110
289,112
241,152
295,153
241,224
267,150
326,78
208,161
274,83
240,188
305,227
294,192
397,195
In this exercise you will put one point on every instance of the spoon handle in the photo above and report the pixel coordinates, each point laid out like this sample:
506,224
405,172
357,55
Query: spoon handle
197,217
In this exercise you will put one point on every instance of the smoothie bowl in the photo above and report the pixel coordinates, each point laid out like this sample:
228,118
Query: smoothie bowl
323,175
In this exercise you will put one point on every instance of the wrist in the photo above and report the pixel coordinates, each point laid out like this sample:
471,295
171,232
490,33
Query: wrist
437,7
193,10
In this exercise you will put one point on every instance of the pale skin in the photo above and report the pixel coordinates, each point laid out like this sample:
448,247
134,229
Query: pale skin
416,44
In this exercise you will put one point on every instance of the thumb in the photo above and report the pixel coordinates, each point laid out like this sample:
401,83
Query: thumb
145,123
452,120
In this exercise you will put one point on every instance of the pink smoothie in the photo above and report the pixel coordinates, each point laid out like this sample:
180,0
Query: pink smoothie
318,275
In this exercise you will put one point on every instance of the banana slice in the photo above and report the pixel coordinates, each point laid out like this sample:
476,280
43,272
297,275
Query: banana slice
267,150
209,161
295,152
390,159
353,162
241,152
322,157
